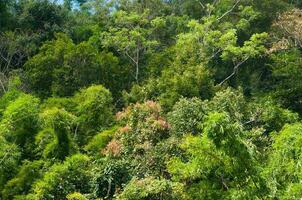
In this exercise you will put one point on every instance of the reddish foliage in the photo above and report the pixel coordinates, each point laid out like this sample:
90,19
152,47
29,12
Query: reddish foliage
113,148
125,129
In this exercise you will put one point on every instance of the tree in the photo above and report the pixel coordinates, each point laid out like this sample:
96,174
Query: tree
286,78
131,37
40,68
41,16
61,122
76,196
95,111
140,136
19,123
110,175
15,48
61,179
221,163
152,188
82,66
7,98
20,185
175,82
289,30
283,169
239,55
98,143
4,15
10,155
186,116
62,67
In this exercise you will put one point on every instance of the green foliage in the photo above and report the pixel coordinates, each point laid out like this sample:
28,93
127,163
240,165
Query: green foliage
58,119
20,122
186,116
4,14
7,98
28,173
95,110
81,60
286,75
219,161
99,142
23,110
10,156
61,179
131,36
174,83
230,101
272,116
41,15
67,104
192,81
42,141
151,188
62,67
40,68
61,144
109,176
207,97
76,196
283,170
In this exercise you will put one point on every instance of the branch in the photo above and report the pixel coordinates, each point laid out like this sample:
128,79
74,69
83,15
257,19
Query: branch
234,71
201,4
76,131
132,59
215,54
5,59
229,11
3,158
2,85
224,183
137,65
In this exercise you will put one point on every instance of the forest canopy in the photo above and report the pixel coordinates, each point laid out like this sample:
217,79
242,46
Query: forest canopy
150,99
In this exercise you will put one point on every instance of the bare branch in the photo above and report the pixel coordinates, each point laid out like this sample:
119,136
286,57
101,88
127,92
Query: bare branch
129,56
215,54
234,71
229,11
201,4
